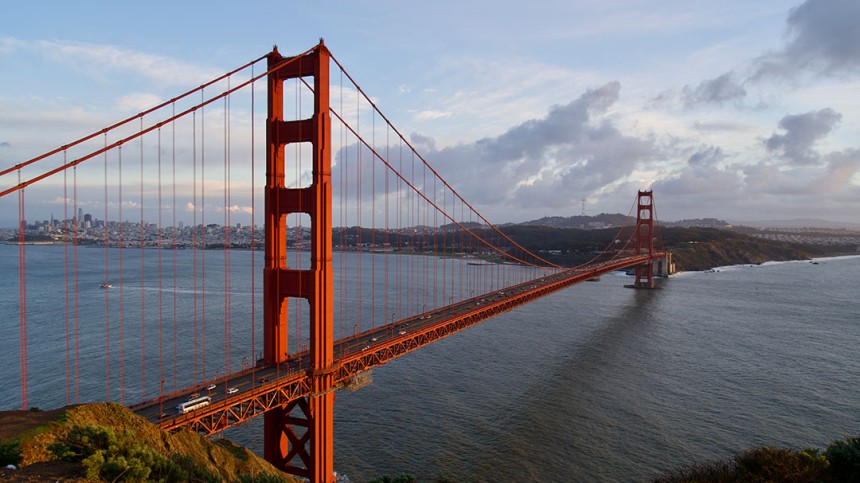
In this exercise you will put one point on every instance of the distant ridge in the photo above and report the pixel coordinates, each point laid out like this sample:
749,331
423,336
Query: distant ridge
606,220
799,223
603,220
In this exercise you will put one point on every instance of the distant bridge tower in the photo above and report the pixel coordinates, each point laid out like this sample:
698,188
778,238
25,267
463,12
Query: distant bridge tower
645,239
298,436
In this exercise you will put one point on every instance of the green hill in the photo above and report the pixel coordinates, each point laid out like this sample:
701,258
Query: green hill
109,442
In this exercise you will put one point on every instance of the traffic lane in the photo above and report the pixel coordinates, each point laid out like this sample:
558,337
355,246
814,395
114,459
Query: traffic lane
348,346
167,409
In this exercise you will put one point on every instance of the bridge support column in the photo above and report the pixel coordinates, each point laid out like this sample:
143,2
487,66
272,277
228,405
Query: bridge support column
664,266
645,239
291,431
298,436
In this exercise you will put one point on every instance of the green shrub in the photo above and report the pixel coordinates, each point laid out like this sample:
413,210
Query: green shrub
781,464
237,451
711,471
10,452
81,442
106,456
194,471
844,457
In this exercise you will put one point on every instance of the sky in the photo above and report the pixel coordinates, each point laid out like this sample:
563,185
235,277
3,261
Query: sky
739,109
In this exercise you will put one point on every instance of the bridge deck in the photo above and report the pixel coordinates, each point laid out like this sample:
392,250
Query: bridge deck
263,388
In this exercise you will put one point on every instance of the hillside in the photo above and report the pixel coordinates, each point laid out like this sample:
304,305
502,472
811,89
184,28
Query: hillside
693,249
50,446
696,249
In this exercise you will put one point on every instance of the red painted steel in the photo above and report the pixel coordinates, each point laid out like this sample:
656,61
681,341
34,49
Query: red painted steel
360,353
645,239
295,392
298,436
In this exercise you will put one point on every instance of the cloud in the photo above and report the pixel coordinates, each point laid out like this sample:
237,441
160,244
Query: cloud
714,91
137,102
712,185
824,40
802,131
840,168
720,126
706,156
9,45
574,149
5,144
240,209
430,115
422,143
97,59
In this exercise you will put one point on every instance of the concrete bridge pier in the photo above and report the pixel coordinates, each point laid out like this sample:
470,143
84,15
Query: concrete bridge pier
664,266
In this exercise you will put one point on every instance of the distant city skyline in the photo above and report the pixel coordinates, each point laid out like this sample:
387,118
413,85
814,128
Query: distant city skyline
740,110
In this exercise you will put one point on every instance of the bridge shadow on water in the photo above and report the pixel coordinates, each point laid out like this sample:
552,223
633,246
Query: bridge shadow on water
578,418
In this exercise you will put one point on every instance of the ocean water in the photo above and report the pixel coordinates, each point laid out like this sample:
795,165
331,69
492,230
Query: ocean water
594,383
604,383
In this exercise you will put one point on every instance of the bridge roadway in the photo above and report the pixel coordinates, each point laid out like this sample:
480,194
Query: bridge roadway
266,387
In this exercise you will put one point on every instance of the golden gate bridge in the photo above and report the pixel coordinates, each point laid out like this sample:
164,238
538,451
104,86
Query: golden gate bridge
423,263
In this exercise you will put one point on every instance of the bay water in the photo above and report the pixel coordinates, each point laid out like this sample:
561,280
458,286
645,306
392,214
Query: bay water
594,383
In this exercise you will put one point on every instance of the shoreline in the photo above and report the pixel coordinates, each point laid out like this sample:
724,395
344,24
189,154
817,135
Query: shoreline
738,266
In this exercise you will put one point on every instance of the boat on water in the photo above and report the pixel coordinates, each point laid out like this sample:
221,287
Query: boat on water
105,284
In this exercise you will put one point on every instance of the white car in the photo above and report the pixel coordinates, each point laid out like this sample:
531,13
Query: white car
210,387
232,390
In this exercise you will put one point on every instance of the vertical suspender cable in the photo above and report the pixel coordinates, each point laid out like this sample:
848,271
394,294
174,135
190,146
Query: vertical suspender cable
398,281
343,164
462,247
410,225
444,248
120,251
358,212
175,228
65,278
107,277
388,252
424,240
435,248
142,281
253,232
227,233
158,206
75,278
22,294
373,226
203,241
195,241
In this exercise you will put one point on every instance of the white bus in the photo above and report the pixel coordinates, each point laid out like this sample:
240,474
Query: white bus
193,404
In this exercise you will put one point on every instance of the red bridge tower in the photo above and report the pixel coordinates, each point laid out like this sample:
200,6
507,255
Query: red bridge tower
298,436
645,239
